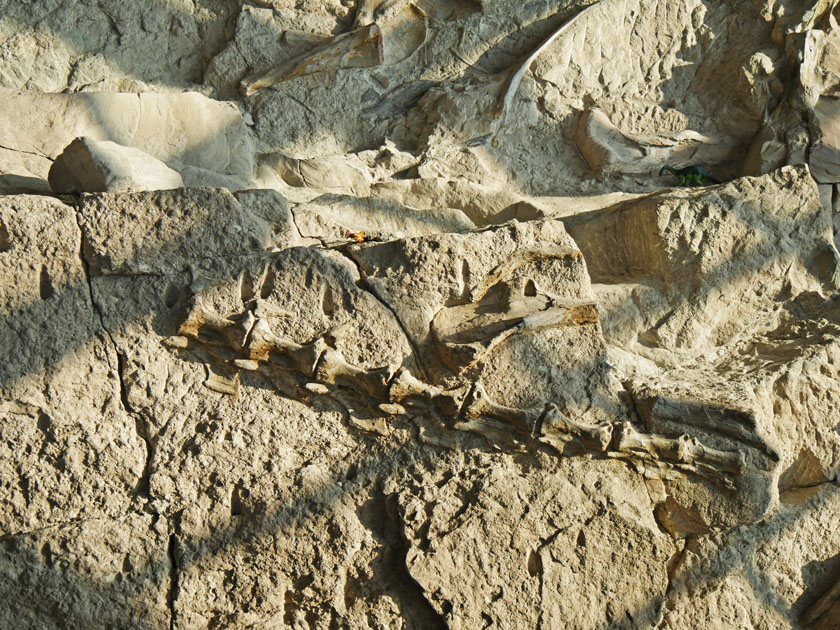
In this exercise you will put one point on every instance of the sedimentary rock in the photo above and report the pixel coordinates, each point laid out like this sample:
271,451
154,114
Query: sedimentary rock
59,385
438,348
90,166
182,130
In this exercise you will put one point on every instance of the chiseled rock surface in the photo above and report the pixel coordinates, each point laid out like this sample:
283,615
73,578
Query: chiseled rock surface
536,556
424,341
431,431
769,574
717,260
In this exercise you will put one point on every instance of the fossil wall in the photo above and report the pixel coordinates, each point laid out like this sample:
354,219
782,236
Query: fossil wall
378,314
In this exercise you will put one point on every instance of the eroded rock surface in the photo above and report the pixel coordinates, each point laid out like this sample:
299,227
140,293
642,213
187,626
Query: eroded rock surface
424,340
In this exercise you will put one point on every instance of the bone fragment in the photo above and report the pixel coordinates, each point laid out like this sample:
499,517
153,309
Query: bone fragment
683,449
593,436
523,421
361,48
332,368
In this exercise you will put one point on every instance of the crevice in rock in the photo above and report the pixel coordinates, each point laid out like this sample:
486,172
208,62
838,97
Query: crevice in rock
121,359
303,105
29,532
401,546
364,284
301,234
142,488
144,484
827,482
93,302
112,22
139,118
71,523
41,155
172,595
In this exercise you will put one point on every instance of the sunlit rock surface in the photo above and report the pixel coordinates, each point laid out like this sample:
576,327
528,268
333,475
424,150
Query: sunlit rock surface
405,329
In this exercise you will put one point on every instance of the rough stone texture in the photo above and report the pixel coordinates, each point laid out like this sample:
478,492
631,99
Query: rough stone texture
438,348
59,386
546,544
711,258
331,217
824,157
90,166
112,573
72,45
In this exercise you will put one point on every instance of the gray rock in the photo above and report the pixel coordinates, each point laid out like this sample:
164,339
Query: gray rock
824,157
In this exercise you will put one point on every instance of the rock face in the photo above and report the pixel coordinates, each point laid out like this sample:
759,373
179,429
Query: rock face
409,332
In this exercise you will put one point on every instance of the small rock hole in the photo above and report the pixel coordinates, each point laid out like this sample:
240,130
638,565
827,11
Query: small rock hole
44,423
45,284
327,303
352,472
237,501
246,287
581,539
534,563
530,289
5,238
235,505
267,287
303,582
46,554
171,296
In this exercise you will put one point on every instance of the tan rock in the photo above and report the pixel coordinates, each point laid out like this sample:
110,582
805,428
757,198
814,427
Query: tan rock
59,389
332,218
90,166
179,129
88,573
770,573
545,555
619,410
696,289
607,150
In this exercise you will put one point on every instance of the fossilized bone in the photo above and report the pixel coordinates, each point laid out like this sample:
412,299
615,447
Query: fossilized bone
360,48
512,85
828,600
247,343
685,451
558,429
368,44
607,149
500,307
